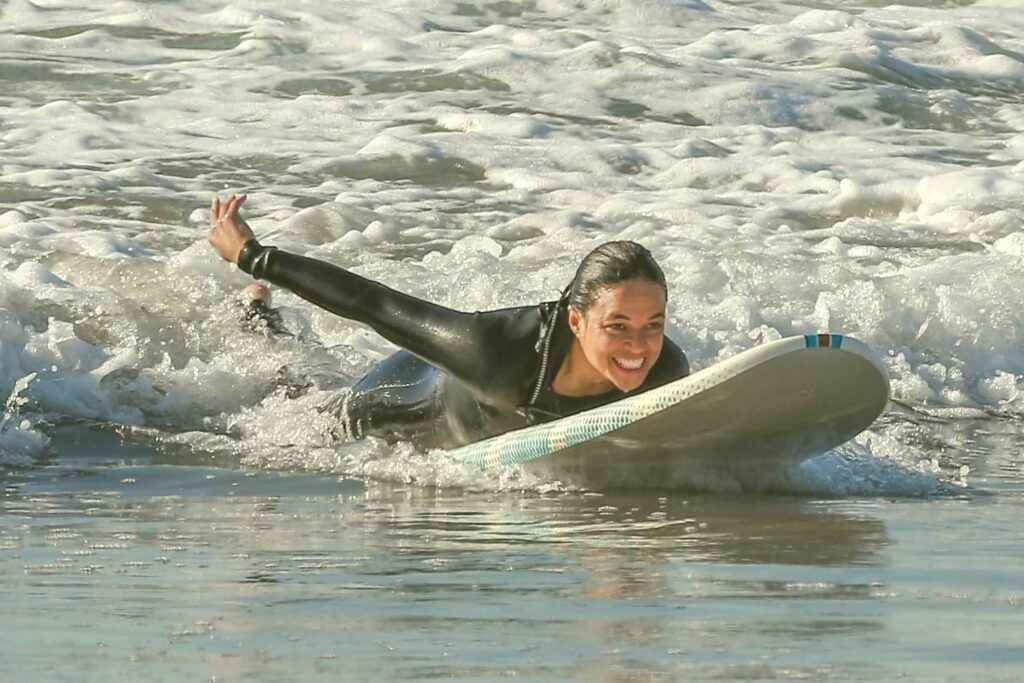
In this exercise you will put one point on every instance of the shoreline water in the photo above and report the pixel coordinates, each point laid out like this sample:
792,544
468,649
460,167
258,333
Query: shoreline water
137,567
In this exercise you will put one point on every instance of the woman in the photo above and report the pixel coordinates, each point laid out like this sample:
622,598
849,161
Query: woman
461,377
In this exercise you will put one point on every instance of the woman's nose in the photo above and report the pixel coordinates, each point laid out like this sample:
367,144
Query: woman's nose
636,339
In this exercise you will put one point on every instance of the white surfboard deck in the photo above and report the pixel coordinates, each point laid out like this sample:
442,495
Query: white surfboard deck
732,425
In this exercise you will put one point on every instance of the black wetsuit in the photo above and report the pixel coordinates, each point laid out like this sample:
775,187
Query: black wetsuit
461,376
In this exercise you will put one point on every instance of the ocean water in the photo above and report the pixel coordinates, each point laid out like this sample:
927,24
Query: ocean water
170,512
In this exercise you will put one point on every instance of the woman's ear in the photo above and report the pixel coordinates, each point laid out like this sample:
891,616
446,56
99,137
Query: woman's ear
575,320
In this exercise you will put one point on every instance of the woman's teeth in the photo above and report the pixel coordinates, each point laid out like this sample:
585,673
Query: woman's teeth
634,364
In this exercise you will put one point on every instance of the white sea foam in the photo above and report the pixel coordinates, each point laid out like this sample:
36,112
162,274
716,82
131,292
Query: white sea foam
20,443
851,167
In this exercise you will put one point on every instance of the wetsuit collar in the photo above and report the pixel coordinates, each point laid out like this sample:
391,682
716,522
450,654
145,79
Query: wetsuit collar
552,344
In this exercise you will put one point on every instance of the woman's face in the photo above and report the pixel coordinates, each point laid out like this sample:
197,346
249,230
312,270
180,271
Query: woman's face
622,332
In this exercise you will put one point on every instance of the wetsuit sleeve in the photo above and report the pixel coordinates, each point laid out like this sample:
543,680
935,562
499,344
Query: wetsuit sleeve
445,338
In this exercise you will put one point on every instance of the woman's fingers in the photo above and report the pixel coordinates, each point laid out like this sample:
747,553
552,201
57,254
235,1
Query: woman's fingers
226,211
220,211
228,231
234,203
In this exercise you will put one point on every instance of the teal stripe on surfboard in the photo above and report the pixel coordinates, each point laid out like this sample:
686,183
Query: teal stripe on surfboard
545,439
814,341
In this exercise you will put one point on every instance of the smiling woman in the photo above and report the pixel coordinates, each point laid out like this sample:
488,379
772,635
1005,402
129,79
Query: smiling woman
461,377
616,311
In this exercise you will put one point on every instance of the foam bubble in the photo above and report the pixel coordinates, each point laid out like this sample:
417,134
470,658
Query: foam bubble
1012,245
825,21
965,190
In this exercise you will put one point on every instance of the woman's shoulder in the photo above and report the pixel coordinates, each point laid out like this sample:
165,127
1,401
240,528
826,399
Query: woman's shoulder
672,363
516,322
504,352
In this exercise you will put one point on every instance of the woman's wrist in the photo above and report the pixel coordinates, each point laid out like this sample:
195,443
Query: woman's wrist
248,253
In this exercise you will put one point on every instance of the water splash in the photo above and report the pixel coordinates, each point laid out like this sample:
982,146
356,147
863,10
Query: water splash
20,442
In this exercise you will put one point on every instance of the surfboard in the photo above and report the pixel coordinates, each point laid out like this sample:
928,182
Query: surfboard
732,425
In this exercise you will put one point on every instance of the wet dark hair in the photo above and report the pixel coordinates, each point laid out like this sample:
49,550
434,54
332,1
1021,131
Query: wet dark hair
610,264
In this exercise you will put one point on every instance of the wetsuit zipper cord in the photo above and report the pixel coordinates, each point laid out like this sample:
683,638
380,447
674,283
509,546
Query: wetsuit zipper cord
544,359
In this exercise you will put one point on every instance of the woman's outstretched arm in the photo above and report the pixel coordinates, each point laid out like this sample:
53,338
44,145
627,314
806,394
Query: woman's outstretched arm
456,342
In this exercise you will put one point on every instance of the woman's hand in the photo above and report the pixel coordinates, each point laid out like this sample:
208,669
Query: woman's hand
228,231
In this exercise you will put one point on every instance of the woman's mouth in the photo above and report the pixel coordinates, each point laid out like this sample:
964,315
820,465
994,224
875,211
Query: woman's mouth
629,364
